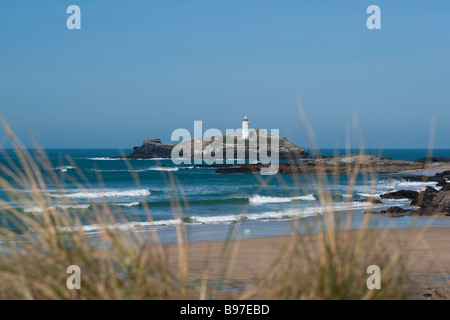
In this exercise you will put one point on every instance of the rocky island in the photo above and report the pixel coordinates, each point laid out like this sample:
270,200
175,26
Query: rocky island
154,148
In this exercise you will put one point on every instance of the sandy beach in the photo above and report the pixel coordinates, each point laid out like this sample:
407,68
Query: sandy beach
432,167
427,251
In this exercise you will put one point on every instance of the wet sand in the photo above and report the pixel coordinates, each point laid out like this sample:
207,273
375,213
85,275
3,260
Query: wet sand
427,250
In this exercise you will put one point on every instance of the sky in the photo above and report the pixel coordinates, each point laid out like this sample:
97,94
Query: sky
141,69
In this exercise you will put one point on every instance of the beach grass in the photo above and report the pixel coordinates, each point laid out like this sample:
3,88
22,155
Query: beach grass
37,249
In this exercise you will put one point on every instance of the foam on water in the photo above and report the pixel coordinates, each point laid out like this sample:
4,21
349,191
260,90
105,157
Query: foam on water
130,204
278,215
38,209
269,215
416,184
162,169
346,195
105,158
398,184
64,168
156,168
369,195
257,199
391,185
126,226
108,193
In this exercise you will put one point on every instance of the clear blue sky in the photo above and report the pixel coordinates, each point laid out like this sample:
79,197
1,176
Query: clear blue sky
139,69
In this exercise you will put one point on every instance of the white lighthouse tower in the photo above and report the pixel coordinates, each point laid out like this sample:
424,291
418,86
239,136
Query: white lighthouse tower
245,128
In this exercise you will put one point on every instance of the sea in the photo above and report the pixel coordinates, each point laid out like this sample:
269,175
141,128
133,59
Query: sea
148,195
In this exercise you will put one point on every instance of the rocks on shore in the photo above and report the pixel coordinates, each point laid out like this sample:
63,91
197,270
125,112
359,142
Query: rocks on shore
401,194
433,202
393,212
424,198
333,165
433,159
429,201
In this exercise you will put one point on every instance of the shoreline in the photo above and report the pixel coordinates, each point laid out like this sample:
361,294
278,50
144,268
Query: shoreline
262,229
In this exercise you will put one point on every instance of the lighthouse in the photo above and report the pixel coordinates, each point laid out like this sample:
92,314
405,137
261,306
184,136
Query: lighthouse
245,128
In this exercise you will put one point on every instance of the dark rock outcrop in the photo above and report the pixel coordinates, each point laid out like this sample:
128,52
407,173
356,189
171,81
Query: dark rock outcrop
290,151
433,202
152,148
444,174
424,198
433,159
242,168
442,178
334,165
392,211
402,194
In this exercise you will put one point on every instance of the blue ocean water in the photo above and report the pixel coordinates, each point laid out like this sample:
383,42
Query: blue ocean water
209,203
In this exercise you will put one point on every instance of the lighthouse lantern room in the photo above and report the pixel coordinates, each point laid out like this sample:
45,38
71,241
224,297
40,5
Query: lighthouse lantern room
245,128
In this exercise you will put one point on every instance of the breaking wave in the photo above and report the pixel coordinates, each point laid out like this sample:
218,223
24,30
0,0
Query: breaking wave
287,214
108,193
64,168
130,204
156,168
105,158
264,199
38,209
